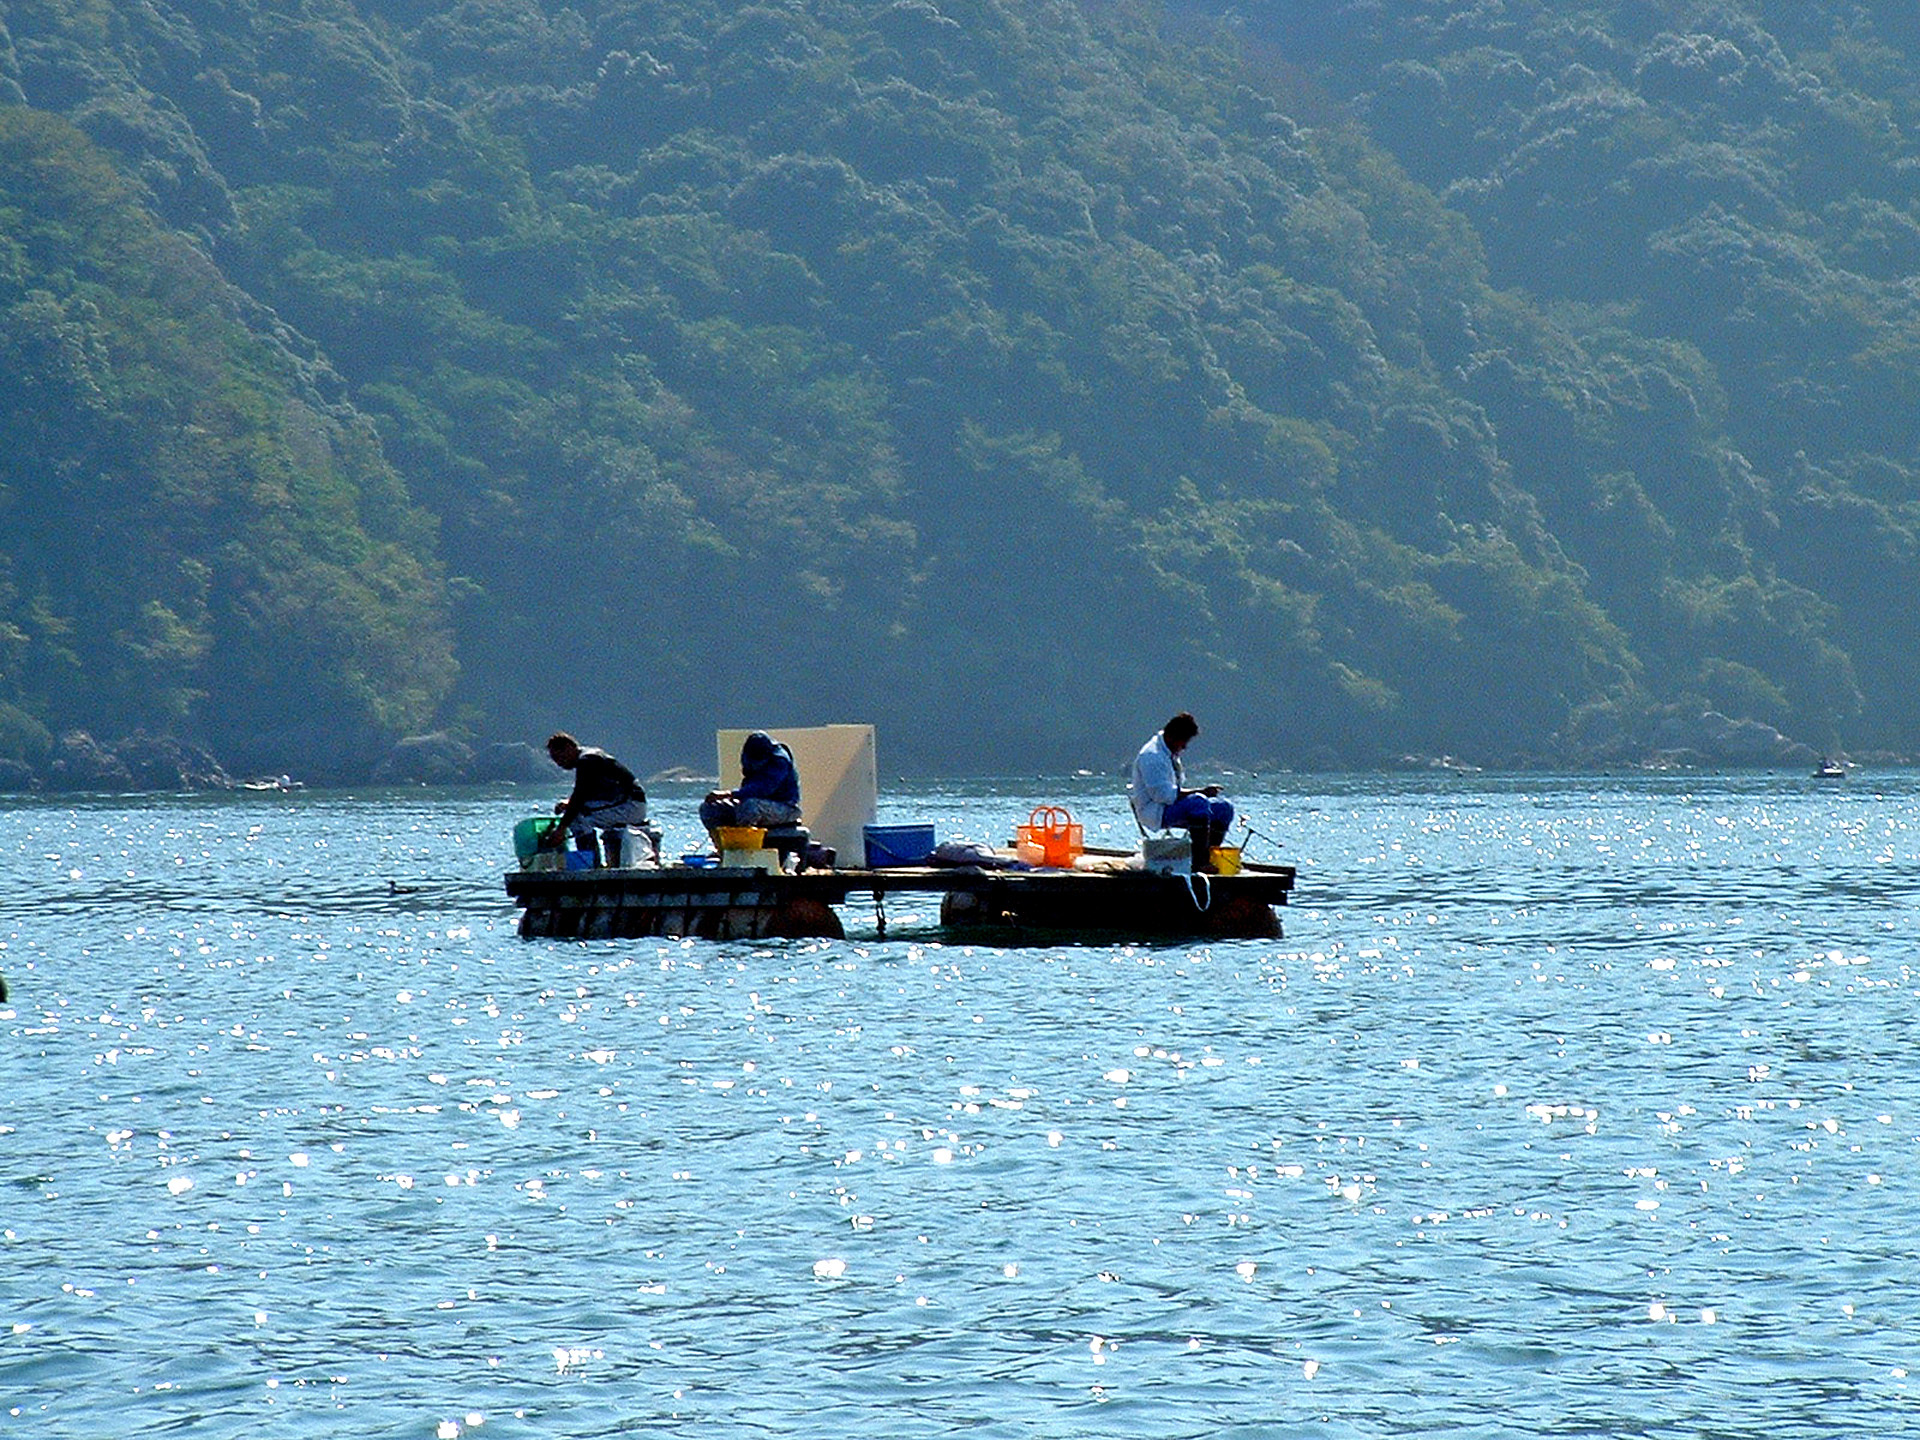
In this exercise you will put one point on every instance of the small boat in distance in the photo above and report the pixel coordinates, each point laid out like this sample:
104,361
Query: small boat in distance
274,782
1830,769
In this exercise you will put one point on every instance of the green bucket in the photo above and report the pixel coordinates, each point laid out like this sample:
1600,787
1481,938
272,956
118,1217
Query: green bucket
528,833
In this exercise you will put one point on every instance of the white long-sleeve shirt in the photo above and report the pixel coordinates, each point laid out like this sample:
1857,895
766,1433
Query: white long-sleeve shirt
1155,782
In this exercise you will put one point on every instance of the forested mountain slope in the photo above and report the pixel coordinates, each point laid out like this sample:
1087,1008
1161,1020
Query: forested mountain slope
1735,181
193,538
1009,374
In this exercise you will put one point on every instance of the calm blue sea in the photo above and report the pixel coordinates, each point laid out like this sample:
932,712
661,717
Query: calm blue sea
1565,1107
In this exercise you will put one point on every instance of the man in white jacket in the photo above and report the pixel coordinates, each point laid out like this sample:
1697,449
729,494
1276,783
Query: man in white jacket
1161,800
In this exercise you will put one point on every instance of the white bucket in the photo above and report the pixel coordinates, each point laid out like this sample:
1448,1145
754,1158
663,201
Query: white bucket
628,848
750,859
1170,854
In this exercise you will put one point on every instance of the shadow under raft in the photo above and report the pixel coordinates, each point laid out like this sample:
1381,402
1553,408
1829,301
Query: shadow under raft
731,903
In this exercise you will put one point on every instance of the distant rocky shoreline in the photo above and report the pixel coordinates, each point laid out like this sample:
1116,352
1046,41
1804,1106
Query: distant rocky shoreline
1704,741
79,763
140,763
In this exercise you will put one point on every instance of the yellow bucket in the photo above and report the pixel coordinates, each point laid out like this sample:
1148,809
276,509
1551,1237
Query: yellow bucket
740,837
1226,860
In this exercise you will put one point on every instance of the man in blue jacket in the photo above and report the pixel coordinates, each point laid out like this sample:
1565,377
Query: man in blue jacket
768,793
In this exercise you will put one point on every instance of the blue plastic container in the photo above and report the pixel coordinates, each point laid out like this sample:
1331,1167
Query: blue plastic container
579,860
697,862
897,845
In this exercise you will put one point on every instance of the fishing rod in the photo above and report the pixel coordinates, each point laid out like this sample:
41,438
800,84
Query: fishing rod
1260,835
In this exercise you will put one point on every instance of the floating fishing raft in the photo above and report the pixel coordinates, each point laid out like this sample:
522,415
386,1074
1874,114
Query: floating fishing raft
739,903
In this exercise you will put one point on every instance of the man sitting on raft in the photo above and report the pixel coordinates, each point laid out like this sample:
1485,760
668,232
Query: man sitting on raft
768,794
1161,801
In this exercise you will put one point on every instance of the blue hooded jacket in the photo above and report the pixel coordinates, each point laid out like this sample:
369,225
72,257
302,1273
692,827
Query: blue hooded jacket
766,771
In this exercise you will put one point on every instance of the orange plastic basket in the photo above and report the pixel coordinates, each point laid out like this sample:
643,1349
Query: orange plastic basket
1050,838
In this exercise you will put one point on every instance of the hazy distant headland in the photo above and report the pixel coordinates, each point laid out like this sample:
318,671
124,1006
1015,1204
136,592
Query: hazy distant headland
389,383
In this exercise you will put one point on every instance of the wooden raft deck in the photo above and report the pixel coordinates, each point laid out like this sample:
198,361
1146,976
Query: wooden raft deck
738,904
